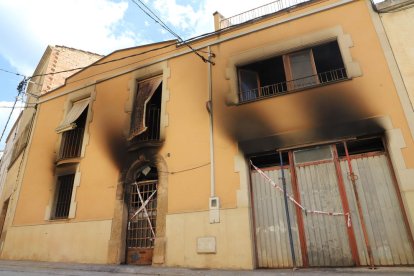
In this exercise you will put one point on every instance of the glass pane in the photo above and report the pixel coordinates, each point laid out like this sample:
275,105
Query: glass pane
249,86
302,70
313,154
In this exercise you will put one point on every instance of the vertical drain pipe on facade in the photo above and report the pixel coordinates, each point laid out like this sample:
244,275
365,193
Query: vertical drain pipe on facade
292,248
214,204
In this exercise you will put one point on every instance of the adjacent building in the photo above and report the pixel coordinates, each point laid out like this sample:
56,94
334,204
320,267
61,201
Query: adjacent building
153,155
54,59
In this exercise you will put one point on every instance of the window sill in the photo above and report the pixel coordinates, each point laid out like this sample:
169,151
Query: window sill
57,220
71,160
135,145
293,91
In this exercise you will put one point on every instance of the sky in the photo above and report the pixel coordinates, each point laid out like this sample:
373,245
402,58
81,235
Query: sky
27,27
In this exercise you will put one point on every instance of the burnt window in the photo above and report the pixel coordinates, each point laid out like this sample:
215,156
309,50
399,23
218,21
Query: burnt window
361,146
146,113
72,129
270,159
297,70
63,196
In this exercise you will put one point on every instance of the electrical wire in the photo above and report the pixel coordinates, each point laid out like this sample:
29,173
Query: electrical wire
165,26
115,60
20,89
186,170
13,73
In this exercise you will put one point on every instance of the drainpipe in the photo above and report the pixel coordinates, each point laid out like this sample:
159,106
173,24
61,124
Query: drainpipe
214,205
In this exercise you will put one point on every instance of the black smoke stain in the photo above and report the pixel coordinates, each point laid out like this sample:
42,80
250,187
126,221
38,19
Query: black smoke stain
332,114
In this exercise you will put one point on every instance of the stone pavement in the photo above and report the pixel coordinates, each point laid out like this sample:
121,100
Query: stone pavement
17,268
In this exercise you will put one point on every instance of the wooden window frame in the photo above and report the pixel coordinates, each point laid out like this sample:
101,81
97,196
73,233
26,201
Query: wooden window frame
288,69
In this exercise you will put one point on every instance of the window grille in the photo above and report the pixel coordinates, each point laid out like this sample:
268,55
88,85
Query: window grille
63,196
140,230
71,144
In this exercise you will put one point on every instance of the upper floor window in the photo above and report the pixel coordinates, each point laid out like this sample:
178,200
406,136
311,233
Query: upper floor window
72,129
277,75
145,117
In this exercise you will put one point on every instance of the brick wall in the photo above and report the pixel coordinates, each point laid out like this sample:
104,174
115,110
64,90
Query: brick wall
64,58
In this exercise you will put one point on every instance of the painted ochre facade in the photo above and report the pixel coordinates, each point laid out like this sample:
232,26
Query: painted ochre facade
96,226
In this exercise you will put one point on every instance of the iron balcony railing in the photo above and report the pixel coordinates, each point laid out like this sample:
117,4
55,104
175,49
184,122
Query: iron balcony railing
71,145
293,85
259,12
153,125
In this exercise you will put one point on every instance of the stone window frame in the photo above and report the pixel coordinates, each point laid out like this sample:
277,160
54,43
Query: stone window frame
90,93
62,171
280,48
71,165
159,69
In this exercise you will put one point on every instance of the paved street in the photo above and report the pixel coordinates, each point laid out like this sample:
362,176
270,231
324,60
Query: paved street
17,268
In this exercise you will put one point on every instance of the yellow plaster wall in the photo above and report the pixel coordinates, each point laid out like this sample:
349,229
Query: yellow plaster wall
187,136
38,176
400,34
83,242
232,234
186,147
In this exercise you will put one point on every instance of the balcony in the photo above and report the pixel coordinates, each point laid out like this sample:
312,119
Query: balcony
71,145
152,121
282,88
258,12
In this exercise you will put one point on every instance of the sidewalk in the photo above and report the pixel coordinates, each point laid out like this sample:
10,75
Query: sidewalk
28,267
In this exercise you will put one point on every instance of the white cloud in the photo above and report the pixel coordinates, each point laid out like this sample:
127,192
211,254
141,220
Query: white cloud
29,26
198,20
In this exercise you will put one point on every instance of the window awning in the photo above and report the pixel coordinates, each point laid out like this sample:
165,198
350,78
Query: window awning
75,112
144,93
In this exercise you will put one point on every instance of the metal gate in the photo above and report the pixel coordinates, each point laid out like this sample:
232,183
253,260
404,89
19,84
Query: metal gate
272,239
355,182
327,240
387,232
142,214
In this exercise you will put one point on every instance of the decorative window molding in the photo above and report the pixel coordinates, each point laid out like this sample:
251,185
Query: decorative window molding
88,94
285,49
140,116
159,69
66,199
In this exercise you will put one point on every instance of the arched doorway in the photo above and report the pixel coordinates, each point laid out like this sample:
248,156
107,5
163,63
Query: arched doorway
142,216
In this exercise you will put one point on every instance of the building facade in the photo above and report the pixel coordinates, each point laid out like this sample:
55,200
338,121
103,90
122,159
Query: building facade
159,157
54,59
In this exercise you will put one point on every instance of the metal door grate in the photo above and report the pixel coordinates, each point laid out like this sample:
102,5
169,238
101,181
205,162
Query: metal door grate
142,225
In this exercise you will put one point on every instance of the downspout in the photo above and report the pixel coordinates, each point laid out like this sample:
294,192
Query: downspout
213,201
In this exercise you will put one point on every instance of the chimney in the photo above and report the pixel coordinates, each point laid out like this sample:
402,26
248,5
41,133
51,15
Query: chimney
217,19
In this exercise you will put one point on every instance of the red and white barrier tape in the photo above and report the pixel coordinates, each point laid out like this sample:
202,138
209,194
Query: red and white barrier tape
144,208
291,198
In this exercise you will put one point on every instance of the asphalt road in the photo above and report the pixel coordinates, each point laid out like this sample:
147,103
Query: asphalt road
18,268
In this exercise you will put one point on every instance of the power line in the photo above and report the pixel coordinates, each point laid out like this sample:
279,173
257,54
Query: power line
13,73
165,26
20,89
105,62
115,60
